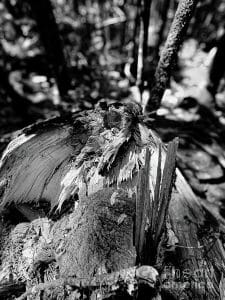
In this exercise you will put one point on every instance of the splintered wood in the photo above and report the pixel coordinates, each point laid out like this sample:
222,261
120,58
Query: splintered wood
108,159
152,203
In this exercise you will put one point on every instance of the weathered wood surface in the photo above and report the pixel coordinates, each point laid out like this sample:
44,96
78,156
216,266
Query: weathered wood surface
103,152
49,161
106,284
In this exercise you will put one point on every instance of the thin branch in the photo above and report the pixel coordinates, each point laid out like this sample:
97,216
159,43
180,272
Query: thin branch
168,57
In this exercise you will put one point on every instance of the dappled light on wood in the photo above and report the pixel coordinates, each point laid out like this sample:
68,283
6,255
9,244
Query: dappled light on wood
112,127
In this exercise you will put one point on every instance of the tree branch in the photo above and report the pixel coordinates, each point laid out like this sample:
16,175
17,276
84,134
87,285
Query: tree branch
168,57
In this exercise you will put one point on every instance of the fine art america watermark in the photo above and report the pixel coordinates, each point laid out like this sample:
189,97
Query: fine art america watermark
177,280
181,279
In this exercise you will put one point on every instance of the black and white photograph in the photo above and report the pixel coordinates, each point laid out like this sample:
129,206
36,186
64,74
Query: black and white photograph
112,149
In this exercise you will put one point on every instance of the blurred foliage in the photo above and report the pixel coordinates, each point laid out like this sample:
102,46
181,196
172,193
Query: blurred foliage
99,38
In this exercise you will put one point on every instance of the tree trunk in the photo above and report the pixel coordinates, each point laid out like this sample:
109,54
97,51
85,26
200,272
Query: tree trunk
135,39
168,57
163,14
49,34
217,69
143,42
146,20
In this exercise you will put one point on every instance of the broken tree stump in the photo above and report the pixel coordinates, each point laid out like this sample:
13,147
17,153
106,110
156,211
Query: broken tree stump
89,166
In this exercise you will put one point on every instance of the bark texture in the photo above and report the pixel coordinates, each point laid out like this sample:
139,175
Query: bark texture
104,153
169,53
100,240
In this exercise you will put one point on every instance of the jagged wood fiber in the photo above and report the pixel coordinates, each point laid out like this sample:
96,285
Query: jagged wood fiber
82,154
100,150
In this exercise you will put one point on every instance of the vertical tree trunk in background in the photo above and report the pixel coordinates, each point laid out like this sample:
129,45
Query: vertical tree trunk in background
135,39
217,68
123,25
168,57
143,42
75,4
163,13
146,21
43,13
146,12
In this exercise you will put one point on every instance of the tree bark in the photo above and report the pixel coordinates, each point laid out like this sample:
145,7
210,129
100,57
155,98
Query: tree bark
49,34
54,159
168,57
